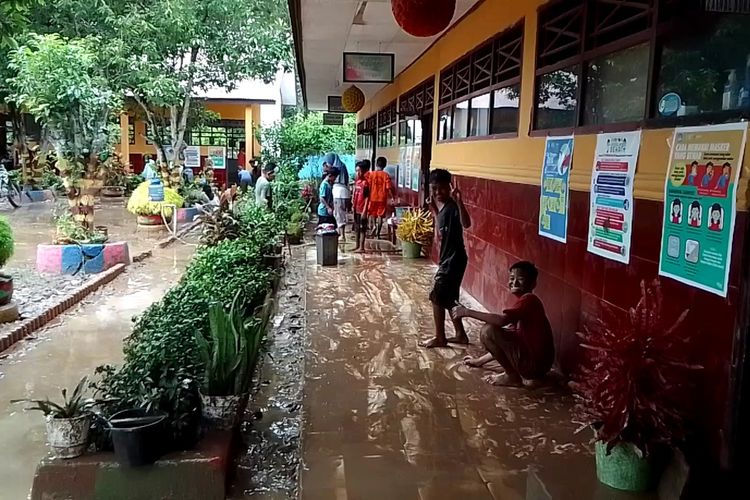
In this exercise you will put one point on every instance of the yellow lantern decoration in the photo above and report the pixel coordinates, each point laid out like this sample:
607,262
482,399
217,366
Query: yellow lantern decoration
353,99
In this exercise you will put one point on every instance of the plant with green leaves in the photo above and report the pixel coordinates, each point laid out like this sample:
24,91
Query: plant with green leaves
231,354
61,82
72,407
6,241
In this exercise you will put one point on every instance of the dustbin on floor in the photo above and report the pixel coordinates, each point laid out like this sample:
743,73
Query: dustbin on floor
327,246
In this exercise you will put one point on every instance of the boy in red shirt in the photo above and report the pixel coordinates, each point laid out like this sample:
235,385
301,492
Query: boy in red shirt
520,338
361,202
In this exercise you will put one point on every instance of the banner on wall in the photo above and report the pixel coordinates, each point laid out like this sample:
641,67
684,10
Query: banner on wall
553,200
700,204
192,157
416,168
218,156
408,166
611,207
402,163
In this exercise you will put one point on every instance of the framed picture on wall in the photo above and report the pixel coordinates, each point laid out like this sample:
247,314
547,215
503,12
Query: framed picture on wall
368,67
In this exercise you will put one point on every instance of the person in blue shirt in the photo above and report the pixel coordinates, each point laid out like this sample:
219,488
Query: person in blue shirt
709,175
724,179
246,179
149,169
325,207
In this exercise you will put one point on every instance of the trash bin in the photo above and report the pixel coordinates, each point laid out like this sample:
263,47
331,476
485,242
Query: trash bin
327,246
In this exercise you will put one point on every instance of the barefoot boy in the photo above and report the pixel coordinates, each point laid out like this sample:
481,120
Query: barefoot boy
520,338
361,202
381,190
451,218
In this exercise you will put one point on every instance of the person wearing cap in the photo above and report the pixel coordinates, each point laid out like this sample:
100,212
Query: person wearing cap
263,191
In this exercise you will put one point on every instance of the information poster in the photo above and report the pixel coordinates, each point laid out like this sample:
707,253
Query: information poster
700,205
192,157
402,163
408,166
218,156
553,203
611,210
416,168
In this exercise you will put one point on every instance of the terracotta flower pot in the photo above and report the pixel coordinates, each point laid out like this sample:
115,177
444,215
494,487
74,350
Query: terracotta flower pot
68,437
6,289
150,220
221,412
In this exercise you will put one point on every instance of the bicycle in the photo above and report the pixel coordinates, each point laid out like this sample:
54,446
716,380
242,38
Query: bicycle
9,188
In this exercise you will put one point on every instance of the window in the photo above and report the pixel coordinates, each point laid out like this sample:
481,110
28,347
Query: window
227,133
603,62
505,104
131,132
469,87
387,132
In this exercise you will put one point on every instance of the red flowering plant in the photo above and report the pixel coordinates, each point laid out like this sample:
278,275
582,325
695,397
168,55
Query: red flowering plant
636,385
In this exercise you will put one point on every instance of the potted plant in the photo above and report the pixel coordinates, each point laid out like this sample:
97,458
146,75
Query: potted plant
414,230
295,228
152,213
68,423
229,358
634,391
6,252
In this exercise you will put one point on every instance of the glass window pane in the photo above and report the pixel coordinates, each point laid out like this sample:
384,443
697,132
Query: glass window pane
505,110
479,119
417,132
708,68
445,124
460,120
556,99
616,88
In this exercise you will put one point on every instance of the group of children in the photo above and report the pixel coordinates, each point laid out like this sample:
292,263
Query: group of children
519,338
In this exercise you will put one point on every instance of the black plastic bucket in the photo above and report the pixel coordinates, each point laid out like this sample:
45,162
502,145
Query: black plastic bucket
137,436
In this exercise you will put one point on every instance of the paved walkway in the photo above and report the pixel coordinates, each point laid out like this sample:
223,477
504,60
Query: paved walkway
387,419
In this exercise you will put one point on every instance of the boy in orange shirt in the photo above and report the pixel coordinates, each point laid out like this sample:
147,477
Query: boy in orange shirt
381,190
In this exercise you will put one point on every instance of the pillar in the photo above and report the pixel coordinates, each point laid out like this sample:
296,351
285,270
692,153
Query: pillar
250,149
124,137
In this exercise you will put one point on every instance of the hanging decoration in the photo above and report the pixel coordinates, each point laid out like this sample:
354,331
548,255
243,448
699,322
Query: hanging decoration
353,99
423,18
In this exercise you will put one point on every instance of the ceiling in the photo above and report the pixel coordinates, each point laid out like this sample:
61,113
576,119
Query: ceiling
324,29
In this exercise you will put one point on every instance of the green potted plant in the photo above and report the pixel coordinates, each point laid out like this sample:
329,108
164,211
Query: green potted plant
229,358
6,252
295,228
68,423
149,212
634,391
414,230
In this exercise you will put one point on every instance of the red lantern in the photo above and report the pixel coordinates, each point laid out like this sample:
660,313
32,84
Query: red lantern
423,17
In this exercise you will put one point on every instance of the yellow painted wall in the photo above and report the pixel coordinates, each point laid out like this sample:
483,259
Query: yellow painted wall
518,159
227,111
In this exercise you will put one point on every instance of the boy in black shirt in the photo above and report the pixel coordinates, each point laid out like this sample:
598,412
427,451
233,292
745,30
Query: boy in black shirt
451,218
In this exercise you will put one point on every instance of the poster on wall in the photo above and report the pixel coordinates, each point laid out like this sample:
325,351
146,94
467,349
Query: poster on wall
553,199
218,156
402,163
700,205
611,207
192,157
416,168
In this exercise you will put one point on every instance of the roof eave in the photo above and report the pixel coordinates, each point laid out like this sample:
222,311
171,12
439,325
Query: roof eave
295,13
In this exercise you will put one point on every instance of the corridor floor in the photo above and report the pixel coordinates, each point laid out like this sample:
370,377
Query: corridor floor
385,418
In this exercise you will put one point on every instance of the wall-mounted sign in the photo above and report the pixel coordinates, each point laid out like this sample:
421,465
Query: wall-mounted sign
366,67
553,200
333,119
700,202
218,156
192,156
334,104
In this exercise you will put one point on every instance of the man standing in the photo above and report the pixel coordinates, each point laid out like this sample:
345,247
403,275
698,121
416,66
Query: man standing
263,191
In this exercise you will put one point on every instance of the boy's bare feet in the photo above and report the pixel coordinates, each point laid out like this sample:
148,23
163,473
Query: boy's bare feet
503,379
431,344
473,362
458,339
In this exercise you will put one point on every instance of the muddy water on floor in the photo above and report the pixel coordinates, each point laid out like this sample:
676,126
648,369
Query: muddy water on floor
58,356
387,419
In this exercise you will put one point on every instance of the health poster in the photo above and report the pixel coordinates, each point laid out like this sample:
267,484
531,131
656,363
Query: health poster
553,203
401,165
700,205
611,210
408,166
192,156
218,156
416,168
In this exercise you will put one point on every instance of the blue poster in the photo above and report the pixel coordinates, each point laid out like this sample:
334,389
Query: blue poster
553,201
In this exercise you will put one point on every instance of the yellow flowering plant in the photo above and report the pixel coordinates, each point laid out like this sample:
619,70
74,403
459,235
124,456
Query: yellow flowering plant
139,204
415,227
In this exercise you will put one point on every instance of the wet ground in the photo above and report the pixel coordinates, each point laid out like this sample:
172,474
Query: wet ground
384,418
72,346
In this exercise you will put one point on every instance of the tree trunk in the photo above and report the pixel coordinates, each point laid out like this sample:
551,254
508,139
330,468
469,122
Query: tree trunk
20,147
82,192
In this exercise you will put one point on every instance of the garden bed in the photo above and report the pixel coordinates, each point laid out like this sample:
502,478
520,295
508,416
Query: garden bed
84,258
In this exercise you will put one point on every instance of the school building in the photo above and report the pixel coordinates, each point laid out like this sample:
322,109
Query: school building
482,98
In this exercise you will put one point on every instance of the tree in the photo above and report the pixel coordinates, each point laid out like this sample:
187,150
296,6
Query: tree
62,84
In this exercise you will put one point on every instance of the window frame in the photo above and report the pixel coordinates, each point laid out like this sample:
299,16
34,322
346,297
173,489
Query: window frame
388,126
495,64
655,36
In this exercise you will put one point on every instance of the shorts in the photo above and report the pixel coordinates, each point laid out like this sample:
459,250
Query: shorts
447,288
339,211
529,365
360,222
377,208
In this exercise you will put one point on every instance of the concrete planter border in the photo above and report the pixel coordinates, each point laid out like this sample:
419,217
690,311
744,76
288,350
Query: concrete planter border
39,195
89,258
187,214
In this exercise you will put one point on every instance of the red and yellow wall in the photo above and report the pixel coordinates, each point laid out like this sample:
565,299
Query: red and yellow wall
500,180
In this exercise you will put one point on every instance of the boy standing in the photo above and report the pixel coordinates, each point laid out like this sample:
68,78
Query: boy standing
263,190
361,202
451,218
325,207
381,189
520,338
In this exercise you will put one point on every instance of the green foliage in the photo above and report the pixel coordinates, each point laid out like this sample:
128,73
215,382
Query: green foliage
74,407
302,134
139,203
50,180
230,355
6,241
67,231
218,226
287,197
